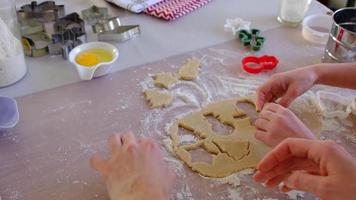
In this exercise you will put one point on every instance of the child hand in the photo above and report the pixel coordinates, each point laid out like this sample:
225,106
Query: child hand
276,123
135,169
287,86
320,167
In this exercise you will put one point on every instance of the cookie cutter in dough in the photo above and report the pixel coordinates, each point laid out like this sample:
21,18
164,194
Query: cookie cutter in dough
36,45
251,39
9,113
94,14
120,34
44,12
69,33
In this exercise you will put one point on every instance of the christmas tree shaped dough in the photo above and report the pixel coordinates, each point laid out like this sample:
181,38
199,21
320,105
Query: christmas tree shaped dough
157,99
189,71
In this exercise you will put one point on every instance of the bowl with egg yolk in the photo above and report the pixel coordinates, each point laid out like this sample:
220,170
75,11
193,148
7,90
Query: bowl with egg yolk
93,59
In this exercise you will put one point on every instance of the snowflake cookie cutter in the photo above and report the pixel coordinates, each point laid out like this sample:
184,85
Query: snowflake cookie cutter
251,39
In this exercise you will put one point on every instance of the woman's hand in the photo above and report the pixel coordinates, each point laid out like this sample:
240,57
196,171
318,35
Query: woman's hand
321,167
287,86
276,123
135,169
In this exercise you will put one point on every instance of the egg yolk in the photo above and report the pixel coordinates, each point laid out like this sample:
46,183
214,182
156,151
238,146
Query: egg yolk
92,57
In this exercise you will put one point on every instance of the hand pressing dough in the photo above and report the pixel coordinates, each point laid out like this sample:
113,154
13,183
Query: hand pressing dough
189,71
165,80
157,99
231,153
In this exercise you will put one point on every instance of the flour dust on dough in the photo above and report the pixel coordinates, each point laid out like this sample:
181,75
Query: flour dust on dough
157,99
231,153
189,71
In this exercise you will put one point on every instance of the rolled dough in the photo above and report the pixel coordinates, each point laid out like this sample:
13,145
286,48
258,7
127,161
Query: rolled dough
165,79
231,153
157,99
189,71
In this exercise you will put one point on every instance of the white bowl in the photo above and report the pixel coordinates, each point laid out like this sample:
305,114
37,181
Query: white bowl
316,28
101,69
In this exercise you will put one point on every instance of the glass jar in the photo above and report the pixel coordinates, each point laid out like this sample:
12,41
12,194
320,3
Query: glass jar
292,12
12,60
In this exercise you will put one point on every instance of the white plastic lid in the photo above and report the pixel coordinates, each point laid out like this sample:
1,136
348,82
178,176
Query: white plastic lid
316,28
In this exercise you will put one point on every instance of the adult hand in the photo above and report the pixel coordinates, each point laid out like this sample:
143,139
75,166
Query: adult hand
135,170
276,123
320,167
287,86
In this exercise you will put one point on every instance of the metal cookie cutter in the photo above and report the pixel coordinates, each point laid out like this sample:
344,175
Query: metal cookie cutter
29,27
255,65
72,23
62,47
69,33
252,38
120,34
43,12
105,25
94,14
36,45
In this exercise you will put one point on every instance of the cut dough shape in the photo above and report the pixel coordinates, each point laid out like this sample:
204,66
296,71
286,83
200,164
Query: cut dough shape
189,71
157,99
165,79
236,149
231,153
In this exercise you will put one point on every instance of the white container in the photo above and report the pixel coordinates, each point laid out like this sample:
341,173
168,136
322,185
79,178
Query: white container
316,28
101,69
12,60
292,12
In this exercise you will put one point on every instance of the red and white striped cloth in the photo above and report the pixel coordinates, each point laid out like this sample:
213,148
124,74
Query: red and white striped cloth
173,9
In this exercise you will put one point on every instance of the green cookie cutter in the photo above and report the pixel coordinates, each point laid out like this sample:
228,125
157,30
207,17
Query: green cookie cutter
251,38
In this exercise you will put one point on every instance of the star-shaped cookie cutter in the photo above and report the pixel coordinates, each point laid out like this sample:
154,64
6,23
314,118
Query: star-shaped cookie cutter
252,39
44,12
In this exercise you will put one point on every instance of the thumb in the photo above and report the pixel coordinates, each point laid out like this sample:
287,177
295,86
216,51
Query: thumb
289,96
301,180
99,164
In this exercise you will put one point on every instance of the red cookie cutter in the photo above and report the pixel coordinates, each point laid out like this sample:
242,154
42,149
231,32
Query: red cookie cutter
263,63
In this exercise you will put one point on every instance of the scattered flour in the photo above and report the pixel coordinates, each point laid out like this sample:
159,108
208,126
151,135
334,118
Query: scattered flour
234,194
207,88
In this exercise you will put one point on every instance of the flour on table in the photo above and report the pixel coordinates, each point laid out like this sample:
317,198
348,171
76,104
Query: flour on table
190,96
165,79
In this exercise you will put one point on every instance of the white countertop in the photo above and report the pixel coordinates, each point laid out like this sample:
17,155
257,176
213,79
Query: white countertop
159,39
